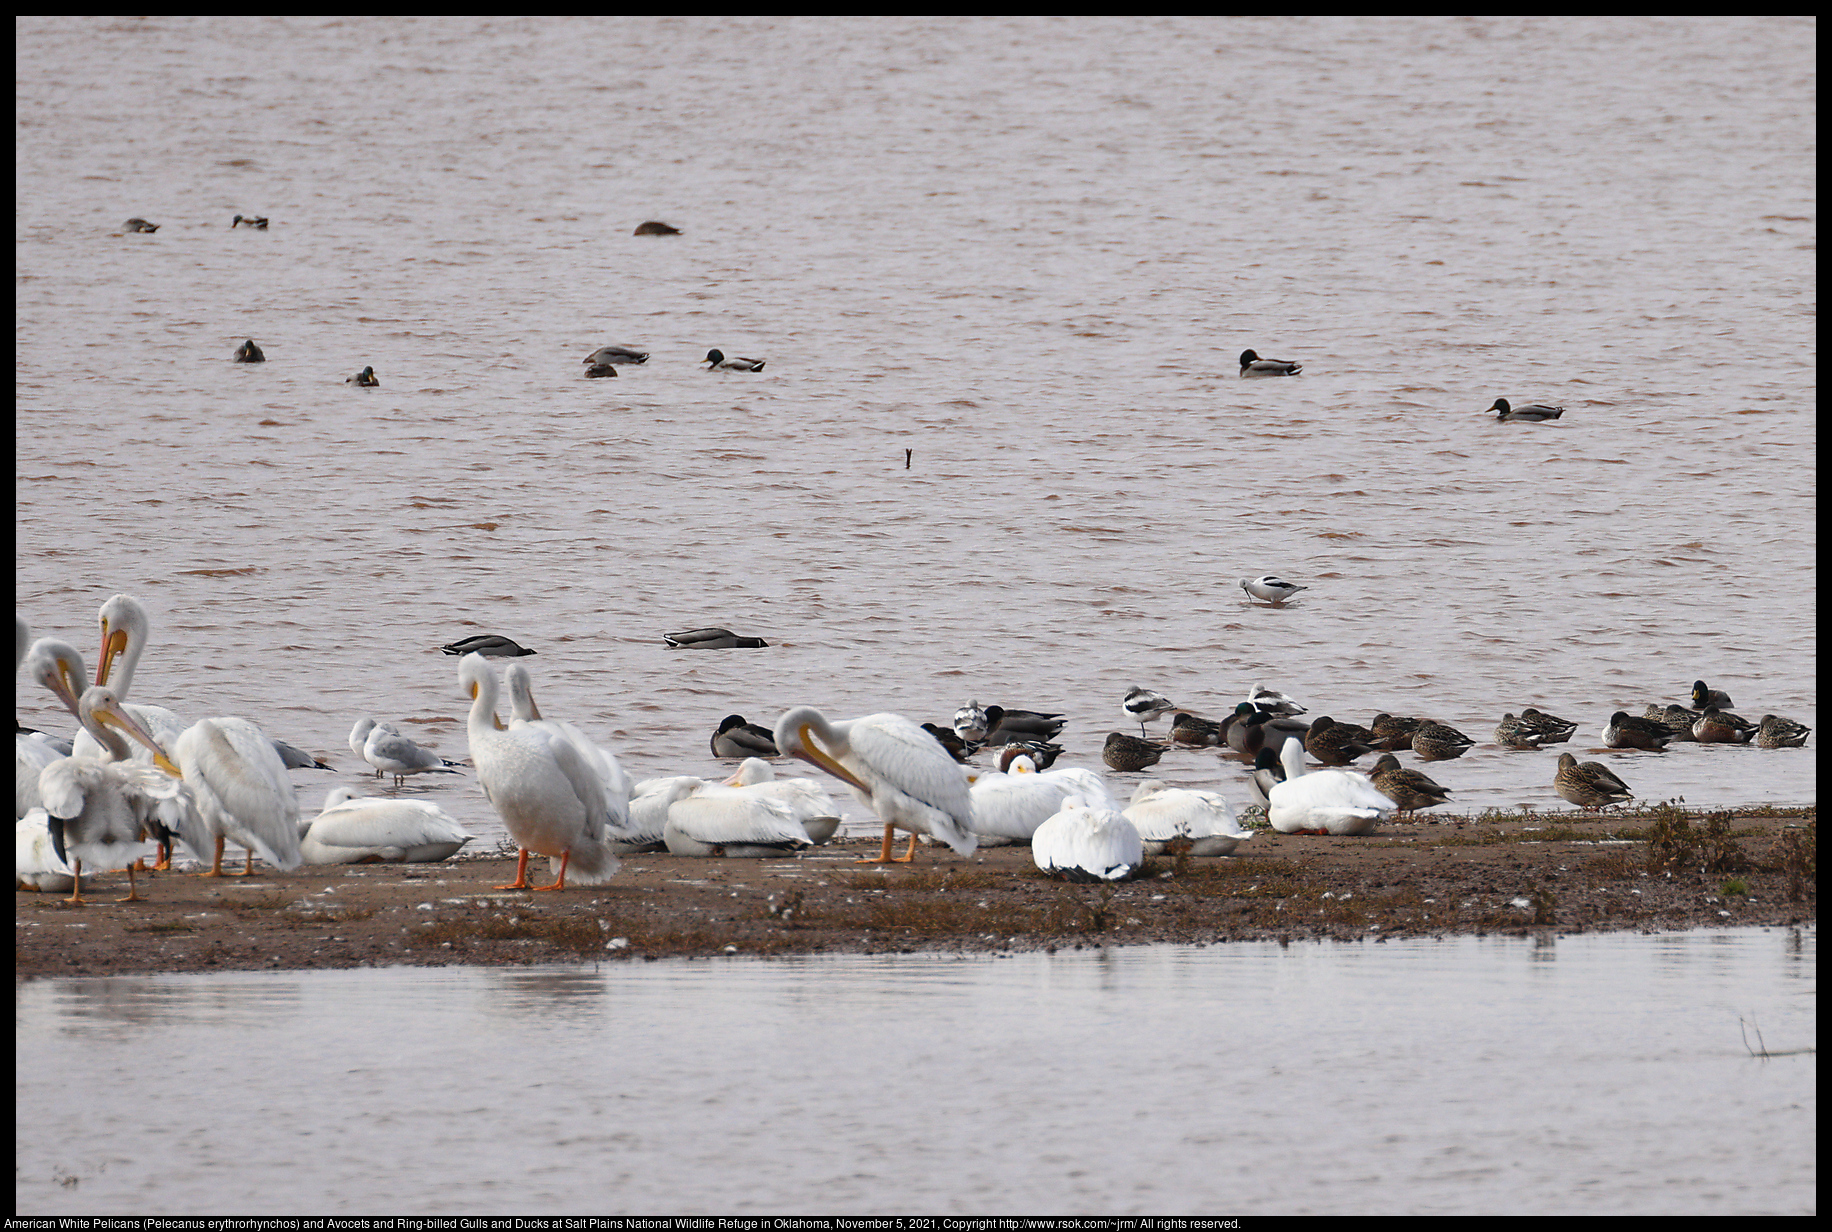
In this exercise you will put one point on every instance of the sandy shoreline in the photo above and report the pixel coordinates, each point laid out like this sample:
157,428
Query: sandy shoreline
1431,877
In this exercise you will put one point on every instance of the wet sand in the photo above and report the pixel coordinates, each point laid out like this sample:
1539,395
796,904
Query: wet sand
1429,877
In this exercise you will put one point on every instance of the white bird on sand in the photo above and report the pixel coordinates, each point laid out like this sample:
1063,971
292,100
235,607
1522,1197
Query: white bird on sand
523,710
1088,842
715,820
1163,815
1324,801
392,753
650,800
242,794
58,667
892,765
1142,706
357,830
1272,589
36,864
1010,803
806,798
550,799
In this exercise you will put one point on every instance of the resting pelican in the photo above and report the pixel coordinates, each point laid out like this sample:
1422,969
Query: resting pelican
1323,802
124,633
894,767
36,864
1009,804
100,809
357,830
1087,842
242,793
392,753
1163,814
616,783
649,805
549,798
807,799
714,820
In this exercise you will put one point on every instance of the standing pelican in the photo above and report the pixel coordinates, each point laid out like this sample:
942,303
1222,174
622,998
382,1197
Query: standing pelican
356,830
549,798
1326,802
242,793
894,767
523,710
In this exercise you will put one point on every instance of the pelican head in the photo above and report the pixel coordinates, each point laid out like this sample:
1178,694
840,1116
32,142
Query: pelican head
58,667
796,732
123,622
100,710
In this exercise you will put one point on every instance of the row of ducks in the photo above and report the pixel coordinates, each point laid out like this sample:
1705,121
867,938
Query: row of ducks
143,227
600,363
1251,365
495,646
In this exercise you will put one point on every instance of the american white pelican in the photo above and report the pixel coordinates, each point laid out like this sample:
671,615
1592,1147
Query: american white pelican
550,800
124,633
1272,589
58,667
242,794
496,647
1323,802
1142,705
36,864
358,830
711,639
714,820
737,363
1009,805
523,710
1087,842
100,809
392,753
1532,413
1252,365
806,799
893,766
649,804
1163,815
737,738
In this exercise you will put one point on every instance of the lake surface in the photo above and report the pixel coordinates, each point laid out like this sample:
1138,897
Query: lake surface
1593,1074
1027,251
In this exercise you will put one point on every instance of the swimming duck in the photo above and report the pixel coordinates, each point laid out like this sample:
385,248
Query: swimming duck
1624,731
1196,732
1703,696
1324,802
489,645
1252,365
1721,727
1588,784
655,228
1167,816
1274,702
1009,726
736,363
600,370
617,355
140,224
1410,789
737,738
1144,706
1127,753
259,224
365,378
1272,589
1439,741
1676,719
1254,729
1393,732
1775,732
1533,413
1333,743
249,353
1089,842
711,639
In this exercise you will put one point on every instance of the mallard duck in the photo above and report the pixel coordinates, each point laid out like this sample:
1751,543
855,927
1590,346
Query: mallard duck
141,225
1533,413
1251,730
1252,365
1702,697
655,228
249,353
1164,815
711,639
1533,729
600,370
1272,589
1721,727
1196,732
1435,741
1325,801
1393,732
1042,753
1588,784
1266,774
1410,789
737,738
1273,702
489,645
737,363
617,355
259,224
1676,719
1624,731
1143,706
365,378
1333,743
1775,732
1011,726
1128,753
1088,841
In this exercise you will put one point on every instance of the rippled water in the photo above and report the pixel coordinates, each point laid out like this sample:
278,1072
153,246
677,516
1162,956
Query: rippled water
1589,1074
1028,251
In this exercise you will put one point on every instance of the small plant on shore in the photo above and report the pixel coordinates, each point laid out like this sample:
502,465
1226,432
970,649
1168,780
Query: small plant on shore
1675,846
1795,854
1735,887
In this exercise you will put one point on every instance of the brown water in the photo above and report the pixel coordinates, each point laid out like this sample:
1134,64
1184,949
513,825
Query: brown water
1028,251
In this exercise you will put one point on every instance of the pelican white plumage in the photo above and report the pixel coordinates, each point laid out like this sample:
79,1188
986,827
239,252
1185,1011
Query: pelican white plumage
392,753
1009,805
58,666
522,709
716,820
1325,801
1163,815
893,766
124,635
550,799
357,830
36,864
1087,841
649,803
242,794
805,798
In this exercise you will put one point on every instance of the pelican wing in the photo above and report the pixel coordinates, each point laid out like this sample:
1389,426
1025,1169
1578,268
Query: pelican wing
906,756
241,788
723,816
386,824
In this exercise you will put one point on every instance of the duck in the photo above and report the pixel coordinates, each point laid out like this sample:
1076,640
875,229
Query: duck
1532,729
737,363
1143,705
1703,696
1128,753
354,829
1393,732
1196,732
1435,741
1676,719
1273,590
950,740
1009,726
1722,727
1335,744
711,639
1775,732
617,355
365,379
1254,729
259,224
1532,413
1410,789
1624,731
1338,802
1043,754
1170,817
1266,774
249,353
655,228
1252,365
1273,702
1588,784
1011,802
489,645
600,370
1557,730
141,225
737,738
1088,841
